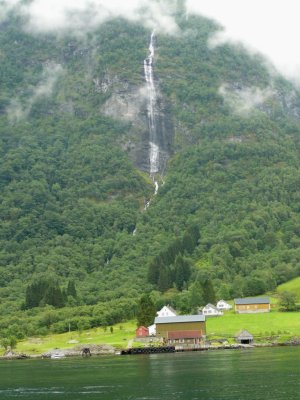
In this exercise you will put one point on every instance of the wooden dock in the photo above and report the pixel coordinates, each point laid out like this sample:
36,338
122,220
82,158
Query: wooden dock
148,350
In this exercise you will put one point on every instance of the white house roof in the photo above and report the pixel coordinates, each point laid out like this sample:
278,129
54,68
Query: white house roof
179,318
167,308
209,305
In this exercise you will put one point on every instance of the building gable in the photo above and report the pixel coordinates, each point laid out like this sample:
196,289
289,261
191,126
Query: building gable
166,311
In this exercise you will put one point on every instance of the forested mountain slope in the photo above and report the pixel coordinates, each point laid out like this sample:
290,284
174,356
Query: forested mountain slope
74,174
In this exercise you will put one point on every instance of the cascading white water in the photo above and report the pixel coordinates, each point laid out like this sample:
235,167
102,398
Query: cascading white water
152,99
154,149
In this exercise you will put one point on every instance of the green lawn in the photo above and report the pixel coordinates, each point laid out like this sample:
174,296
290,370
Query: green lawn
291,286
275,323
122,333
264,324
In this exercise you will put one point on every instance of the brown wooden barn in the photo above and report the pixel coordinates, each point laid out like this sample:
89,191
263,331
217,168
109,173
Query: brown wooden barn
252,305
183,329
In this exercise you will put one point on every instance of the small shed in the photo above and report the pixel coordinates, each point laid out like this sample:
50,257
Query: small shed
244,337
141,332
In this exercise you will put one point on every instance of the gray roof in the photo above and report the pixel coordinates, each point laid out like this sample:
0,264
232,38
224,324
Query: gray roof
244,335
252,300
179,318
209,305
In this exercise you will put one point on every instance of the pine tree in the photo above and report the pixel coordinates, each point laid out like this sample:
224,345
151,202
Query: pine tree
146,311
182,271
165,279
209,295
194,232
71,289
188,243
196,296
53,296
42,291
154,270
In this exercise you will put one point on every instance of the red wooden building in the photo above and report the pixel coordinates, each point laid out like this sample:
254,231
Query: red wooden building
141,331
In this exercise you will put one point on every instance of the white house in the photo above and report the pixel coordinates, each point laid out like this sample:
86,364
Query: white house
166,311
222,305
152,330
211,310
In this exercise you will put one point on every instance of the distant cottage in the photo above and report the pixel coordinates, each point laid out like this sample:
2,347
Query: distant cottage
183,329
222,305
211,311
252,305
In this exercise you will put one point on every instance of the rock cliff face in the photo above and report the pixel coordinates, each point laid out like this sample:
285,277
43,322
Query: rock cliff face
129,104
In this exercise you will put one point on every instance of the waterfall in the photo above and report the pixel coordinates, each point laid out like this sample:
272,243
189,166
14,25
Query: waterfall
159,128
151,112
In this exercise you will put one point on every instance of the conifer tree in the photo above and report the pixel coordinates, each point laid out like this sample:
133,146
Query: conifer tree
182,271
154,270
209,295
146,311
71,289
165,279
42,291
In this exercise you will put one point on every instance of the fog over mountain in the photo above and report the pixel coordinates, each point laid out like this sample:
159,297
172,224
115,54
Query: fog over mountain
271,27
146,147
268,27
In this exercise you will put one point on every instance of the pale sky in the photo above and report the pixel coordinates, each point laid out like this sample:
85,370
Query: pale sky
271,27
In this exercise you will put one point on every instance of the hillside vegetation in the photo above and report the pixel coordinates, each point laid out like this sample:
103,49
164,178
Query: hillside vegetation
292,286
73,193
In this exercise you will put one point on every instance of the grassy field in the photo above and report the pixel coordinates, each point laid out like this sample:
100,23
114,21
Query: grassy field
122,333
265,324
283,325
291,286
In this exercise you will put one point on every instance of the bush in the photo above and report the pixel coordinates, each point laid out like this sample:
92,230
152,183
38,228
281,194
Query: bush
287,301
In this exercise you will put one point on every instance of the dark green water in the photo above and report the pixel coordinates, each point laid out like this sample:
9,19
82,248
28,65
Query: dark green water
259,374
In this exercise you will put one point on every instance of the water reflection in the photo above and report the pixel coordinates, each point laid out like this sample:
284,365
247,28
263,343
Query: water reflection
260,374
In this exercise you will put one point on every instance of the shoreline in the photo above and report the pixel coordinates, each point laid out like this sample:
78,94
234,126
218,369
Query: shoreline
77,353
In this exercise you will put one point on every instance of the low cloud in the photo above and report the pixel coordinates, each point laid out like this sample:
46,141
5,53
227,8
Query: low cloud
49,77
80,16
18,110
244,100
269,27
6,6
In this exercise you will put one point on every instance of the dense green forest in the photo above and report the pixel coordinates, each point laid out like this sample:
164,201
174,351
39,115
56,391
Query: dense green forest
78,248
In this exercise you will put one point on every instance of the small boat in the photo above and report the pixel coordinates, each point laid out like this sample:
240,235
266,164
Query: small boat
58,355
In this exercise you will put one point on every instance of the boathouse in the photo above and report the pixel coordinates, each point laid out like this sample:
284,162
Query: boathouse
252,305
244,337
182,329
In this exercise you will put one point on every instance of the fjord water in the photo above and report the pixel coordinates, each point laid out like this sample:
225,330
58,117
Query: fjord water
256,374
